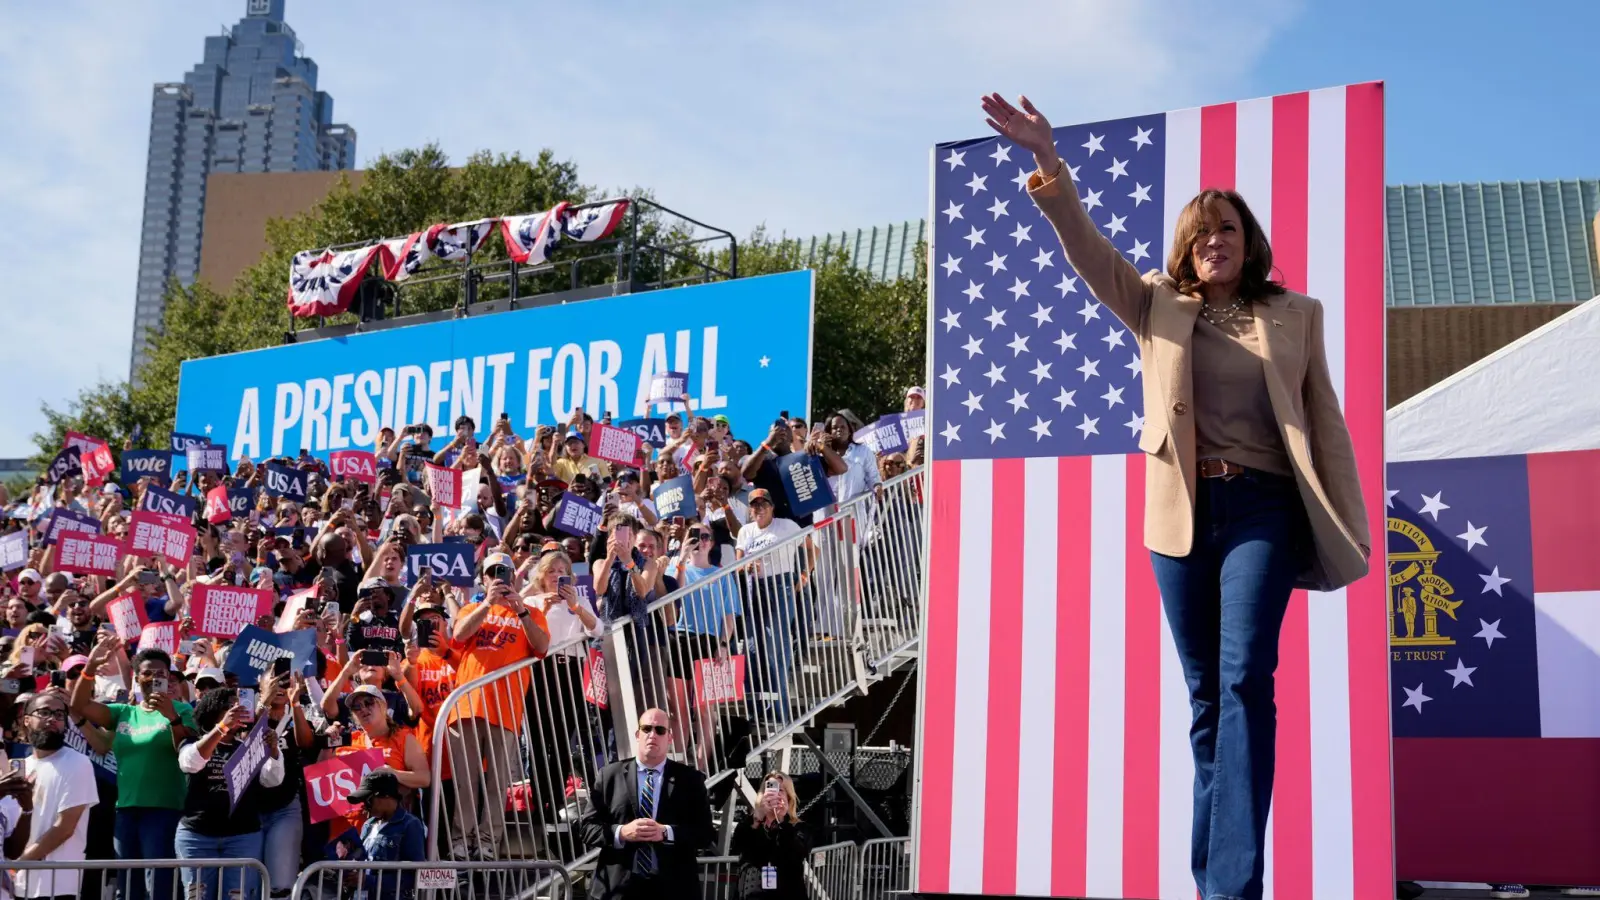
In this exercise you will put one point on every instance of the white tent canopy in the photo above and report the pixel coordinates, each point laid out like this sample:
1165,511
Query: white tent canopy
1538,394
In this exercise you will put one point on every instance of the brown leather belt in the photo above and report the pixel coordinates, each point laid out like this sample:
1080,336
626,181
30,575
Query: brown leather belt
1216,467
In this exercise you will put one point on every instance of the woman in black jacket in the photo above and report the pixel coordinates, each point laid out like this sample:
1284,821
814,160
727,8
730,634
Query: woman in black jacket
772,845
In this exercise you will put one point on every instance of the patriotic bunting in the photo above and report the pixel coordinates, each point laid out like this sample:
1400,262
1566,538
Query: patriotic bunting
324,282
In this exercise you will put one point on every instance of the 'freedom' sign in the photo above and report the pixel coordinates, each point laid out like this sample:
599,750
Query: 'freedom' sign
444,485
450,563
281,481
616,445
88,554
354,465
222,611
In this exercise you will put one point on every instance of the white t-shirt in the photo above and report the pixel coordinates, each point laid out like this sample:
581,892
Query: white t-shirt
753,539
10,816
61,781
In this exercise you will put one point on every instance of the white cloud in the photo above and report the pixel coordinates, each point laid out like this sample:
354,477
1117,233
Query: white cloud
807,119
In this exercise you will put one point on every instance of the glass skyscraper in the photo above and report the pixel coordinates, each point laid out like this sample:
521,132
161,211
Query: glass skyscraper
251,105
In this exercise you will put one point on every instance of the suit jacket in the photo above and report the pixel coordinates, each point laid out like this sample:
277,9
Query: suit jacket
683,804
1296,367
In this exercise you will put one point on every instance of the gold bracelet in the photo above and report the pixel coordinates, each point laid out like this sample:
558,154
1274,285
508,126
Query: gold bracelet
1060,164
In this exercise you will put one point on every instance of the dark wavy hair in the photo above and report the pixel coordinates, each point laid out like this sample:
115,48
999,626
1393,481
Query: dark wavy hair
1199,216
213,705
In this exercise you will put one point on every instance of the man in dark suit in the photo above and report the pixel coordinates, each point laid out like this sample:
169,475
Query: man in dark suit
649,817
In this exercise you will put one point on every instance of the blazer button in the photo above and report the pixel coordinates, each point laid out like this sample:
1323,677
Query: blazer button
1180,407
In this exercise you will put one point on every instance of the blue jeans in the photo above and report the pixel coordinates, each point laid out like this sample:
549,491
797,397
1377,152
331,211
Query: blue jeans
145,832
770,611
281,831
1225,603
219,884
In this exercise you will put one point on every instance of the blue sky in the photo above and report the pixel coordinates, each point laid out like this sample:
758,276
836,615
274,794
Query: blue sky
803,117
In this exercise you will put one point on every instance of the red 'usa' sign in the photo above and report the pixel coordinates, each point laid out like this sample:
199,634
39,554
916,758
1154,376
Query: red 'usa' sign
358,465
329,783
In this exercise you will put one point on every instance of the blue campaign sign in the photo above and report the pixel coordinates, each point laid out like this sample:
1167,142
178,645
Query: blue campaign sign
675,497
182,442
255,648
651,431
137,464
241,501
283,481
163,501
746,344
451,563
805,482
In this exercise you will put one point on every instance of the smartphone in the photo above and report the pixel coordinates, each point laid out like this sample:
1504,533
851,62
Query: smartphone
565,581
20,764
247,699
425,628
158,685
505,416
58,679
149,577
331,608
783,416
280,667
678,521
772,787
237,558
10,685
25,656
374,658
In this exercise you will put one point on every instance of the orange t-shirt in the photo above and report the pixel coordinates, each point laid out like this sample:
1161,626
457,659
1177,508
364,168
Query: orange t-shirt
394,756
499,643
435,680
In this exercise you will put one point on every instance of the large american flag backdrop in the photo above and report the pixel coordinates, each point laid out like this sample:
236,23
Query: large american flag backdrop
1495,660
1053,745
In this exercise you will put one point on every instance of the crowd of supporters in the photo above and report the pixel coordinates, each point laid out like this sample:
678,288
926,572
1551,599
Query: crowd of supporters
152,730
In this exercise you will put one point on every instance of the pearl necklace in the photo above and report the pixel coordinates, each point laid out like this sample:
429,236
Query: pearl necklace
1223,315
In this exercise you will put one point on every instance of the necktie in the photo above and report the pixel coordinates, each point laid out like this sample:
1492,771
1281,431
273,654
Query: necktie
644,860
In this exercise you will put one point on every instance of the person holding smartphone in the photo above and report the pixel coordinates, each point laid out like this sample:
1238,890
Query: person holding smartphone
150,784
496,630
214,827
772,844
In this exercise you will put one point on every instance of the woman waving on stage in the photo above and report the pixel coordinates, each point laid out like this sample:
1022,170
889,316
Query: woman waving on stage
1251,486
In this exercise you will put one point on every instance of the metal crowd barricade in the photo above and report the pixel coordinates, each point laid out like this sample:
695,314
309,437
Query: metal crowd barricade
502,880
885,869
790,650
831,871
161,879
511,773
719,877
891,525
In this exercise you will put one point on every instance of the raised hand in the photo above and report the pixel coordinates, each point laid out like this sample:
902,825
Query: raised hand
1027,127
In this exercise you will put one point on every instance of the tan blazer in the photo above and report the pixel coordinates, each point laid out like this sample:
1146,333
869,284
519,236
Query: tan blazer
1302,392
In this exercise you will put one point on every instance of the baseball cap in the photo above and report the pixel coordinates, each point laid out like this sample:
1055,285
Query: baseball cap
721,419
376,784
915,391
551,547
210,673
367,690
556,483
760,494
497,559
573,433
627,475
73,662
375,584
30,574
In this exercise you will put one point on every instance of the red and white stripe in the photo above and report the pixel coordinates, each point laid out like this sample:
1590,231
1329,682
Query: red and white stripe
1054,731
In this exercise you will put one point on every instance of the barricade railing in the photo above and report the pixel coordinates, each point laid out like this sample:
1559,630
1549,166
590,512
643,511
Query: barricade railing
885,868
500,880
140,879
891,526
513,755
734,684
719,878
831,871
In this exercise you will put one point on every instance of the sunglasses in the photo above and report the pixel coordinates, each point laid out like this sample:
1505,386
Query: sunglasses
654,729
363,703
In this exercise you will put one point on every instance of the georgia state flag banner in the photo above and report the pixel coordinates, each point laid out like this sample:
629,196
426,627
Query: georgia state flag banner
1494,636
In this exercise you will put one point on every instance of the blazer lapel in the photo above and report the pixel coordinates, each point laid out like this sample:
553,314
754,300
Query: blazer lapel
631,782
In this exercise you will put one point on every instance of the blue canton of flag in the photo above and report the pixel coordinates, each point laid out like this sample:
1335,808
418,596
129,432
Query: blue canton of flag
1026,362
1463,651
